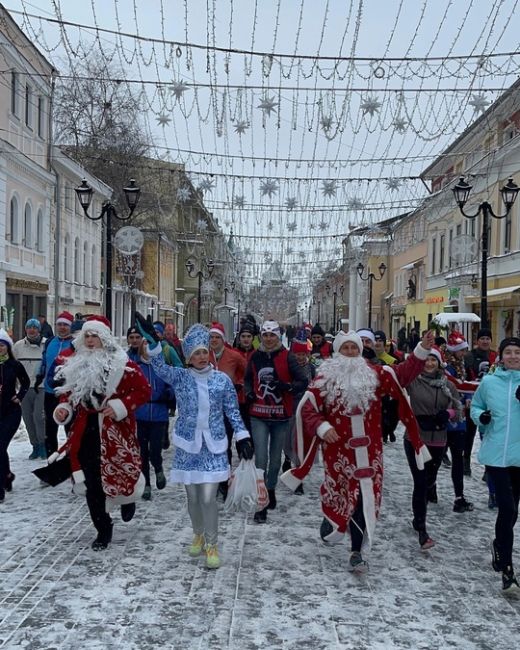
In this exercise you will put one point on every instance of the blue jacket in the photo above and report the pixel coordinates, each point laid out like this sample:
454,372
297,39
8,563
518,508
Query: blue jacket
53,348
157,409
501,437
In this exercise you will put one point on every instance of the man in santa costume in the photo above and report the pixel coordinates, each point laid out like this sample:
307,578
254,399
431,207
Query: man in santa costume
342,411
100,389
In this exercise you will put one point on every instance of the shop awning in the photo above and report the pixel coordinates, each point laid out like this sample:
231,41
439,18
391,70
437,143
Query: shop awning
411,265
496,295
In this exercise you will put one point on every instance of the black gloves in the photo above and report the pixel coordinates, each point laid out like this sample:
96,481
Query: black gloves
442,418
250,398
39,379
517,394
145,326
282,386
485,417
245,448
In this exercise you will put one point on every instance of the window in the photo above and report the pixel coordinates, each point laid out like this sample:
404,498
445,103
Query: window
28,106
434,255
77,261
39,231
27,226
459,229
41,117
86,275
66,257
507,232
94,281
441,252
14,93
12,234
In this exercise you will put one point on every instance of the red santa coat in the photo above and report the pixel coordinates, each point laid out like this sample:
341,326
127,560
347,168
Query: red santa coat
354,464
121,478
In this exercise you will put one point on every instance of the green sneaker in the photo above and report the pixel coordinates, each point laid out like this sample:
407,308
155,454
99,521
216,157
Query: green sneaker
196,546
212,558
147,493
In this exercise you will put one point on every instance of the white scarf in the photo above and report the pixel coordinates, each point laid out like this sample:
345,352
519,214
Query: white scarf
349,380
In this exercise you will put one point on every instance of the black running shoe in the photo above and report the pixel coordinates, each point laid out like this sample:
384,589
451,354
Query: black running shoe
509,582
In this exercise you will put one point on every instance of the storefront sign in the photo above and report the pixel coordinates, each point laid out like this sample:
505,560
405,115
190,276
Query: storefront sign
434,299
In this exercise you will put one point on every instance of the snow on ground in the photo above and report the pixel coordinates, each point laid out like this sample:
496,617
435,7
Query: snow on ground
279,586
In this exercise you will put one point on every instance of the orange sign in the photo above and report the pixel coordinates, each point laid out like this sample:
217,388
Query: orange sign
434,299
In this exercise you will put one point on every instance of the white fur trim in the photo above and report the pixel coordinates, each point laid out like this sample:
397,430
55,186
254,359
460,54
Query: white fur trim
79,489
242,435
67,407
78,476
119,409
53,458
343,337
155,351
422,457
421,353
117,371
323,428
290,480
300,447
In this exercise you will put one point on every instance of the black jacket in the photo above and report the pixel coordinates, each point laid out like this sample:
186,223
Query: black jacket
11,372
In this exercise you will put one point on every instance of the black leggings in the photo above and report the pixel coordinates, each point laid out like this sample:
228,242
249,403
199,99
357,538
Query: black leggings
507,494
9,423
151,436
456,447
423,479
90,458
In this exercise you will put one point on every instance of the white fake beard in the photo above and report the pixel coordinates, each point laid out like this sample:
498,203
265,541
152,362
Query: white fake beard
85,376
349,380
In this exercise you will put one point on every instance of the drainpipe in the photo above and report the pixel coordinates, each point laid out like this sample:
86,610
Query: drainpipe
57,203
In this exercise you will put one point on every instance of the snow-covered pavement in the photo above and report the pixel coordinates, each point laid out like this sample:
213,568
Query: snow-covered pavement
279,587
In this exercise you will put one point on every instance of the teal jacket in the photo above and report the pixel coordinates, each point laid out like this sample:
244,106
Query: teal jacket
501,437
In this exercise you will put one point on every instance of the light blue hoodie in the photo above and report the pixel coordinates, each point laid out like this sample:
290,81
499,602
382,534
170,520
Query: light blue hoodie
501,437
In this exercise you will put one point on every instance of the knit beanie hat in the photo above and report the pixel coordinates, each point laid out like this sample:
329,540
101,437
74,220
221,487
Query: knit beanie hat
132,330
367,334
512,340
484,331
379,334
159,327
343,337
298,346
65,318
247,327
33,322
271,327
435,352
318,329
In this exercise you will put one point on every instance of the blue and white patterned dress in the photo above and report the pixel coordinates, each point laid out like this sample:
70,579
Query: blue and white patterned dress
203,397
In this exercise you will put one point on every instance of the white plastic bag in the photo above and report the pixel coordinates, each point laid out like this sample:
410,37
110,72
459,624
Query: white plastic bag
242,492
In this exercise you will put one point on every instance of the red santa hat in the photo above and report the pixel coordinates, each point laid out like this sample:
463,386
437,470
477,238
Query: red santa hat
456,342
99,325
298,346
65,318
435,352
343,337
218,328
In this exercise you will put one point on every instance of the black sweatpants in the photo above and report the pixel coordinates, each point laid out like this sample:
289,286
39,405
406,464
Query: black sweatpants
90,458
507,494
422,480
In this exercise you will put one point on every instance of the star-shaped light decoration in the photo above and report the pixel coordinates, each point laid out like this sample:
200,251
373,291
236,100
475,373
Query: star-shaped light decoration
289,250
392,184
268,256
269,188
201,225
291,227
479,103
370,105
290,203
239,201
163,120
178,88
355,204
323,225
241,126
206,185
183,194
302,255
400,125
267,105
328,188
326,122
247,252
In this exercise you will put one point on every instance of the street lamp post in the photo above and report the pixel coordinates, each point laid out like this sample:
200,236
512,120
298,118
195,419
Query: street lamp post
200,274
84,193
334,304
462,191
370,278
309,306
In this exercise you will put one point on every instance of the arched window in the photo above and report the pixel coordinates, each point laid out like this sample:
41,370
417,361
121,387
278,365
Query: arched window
66,257
86,275
94,268
77,261
12,234
39,231
27,226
